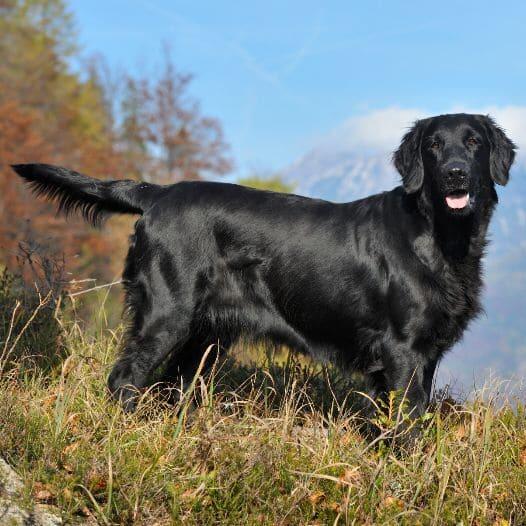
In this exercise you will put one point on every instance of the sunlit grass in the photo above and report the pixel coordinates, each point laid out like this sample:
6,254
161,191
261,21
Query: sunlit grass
275,443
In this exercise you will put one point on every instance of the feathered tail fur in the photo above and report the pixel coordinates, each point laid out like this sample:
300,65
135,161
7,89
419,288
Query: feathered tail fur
93,198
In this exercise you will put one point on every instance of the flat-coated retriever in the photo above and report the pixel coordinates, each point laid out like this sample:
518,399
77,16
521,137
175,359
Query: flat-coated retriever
384,285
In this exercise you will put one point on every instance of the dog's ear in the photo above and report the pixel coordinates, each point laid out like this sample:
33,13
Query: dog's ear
502,152
408,159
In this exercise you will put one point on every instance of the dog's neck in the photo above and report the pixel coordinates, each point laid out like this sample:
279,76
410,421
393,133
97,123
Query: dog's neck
460,239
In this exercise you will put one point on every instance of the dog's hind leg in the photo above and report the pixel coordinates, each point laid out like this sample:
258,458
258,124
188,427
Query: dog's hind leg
143,353
161,308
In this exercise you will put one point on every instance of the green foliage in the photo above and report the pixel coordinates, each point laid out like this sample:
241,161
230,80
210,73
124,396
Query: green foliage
48,22
37,37
267,182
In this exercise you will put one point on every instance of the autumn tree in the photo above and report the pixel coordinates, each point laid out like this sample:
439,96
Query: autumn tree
164,132
49,113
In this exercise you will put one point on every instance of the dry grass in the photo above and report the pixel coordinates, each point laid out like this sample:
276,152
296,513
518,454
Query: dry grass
269,445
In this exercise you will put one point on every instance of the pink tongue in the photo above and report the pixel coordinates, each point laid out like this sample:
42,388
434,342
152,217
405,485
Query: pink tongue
457,201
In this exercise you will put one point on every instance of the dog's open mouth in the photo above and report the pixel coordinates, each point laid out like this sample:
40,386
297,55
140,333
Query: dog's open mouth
458,199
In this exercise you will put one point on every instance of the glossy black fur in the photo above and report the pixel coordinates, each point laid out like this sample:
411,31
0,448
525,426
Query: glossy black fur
384,285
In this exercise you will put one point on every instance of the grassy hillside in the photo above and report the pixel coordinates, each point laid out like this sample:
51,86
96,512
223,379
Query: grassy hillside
249,445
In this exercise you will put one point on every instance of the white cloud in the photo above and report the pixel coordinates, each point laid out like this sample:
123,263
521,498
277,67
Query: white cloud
381,130
375,132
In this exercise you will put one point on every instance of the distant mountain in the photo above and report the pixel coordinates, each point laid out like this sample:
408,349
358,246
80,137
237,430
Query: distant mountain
497,341
341,176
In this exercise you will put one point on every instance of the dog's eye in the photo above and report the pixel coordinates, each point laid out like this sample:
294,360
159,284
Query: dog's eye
435,145
472,141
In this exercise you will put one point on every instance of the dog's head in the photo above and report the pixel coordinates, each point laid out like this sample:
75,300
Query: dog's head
455,161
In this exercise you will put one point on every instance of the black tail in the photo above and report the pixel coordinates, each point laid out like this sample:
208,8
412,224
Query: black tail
91,197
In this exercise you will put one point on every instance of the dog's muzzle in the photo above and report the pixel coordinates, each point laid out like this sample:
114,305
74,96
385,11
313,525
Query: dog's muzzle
457,187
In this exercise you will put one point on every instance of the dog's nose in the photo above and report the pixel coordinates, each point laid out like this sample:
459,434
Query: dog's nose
456,172
455,175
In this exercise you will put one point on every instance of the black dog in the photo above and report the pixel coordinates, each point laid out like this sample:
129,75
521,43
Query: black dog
384,285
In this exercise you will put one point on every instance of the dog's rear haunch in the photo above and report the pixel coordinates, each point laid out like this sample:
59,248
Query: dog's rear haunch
384,285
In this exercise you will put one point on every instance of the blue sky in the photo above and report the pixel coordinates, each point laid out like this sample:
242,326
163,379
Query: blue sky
284,76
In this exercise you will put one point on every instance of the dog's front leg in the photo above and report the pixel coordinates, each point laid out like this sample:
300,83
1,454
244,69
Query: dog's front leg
408,375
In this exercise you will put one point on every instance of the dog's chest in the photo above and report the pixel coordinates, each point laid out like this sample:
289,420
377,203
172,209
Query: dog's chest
451,292
453,302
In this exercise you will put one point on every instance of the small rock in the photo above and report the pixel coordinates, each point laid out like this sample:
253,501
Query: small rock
10,483
11,513
46,516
